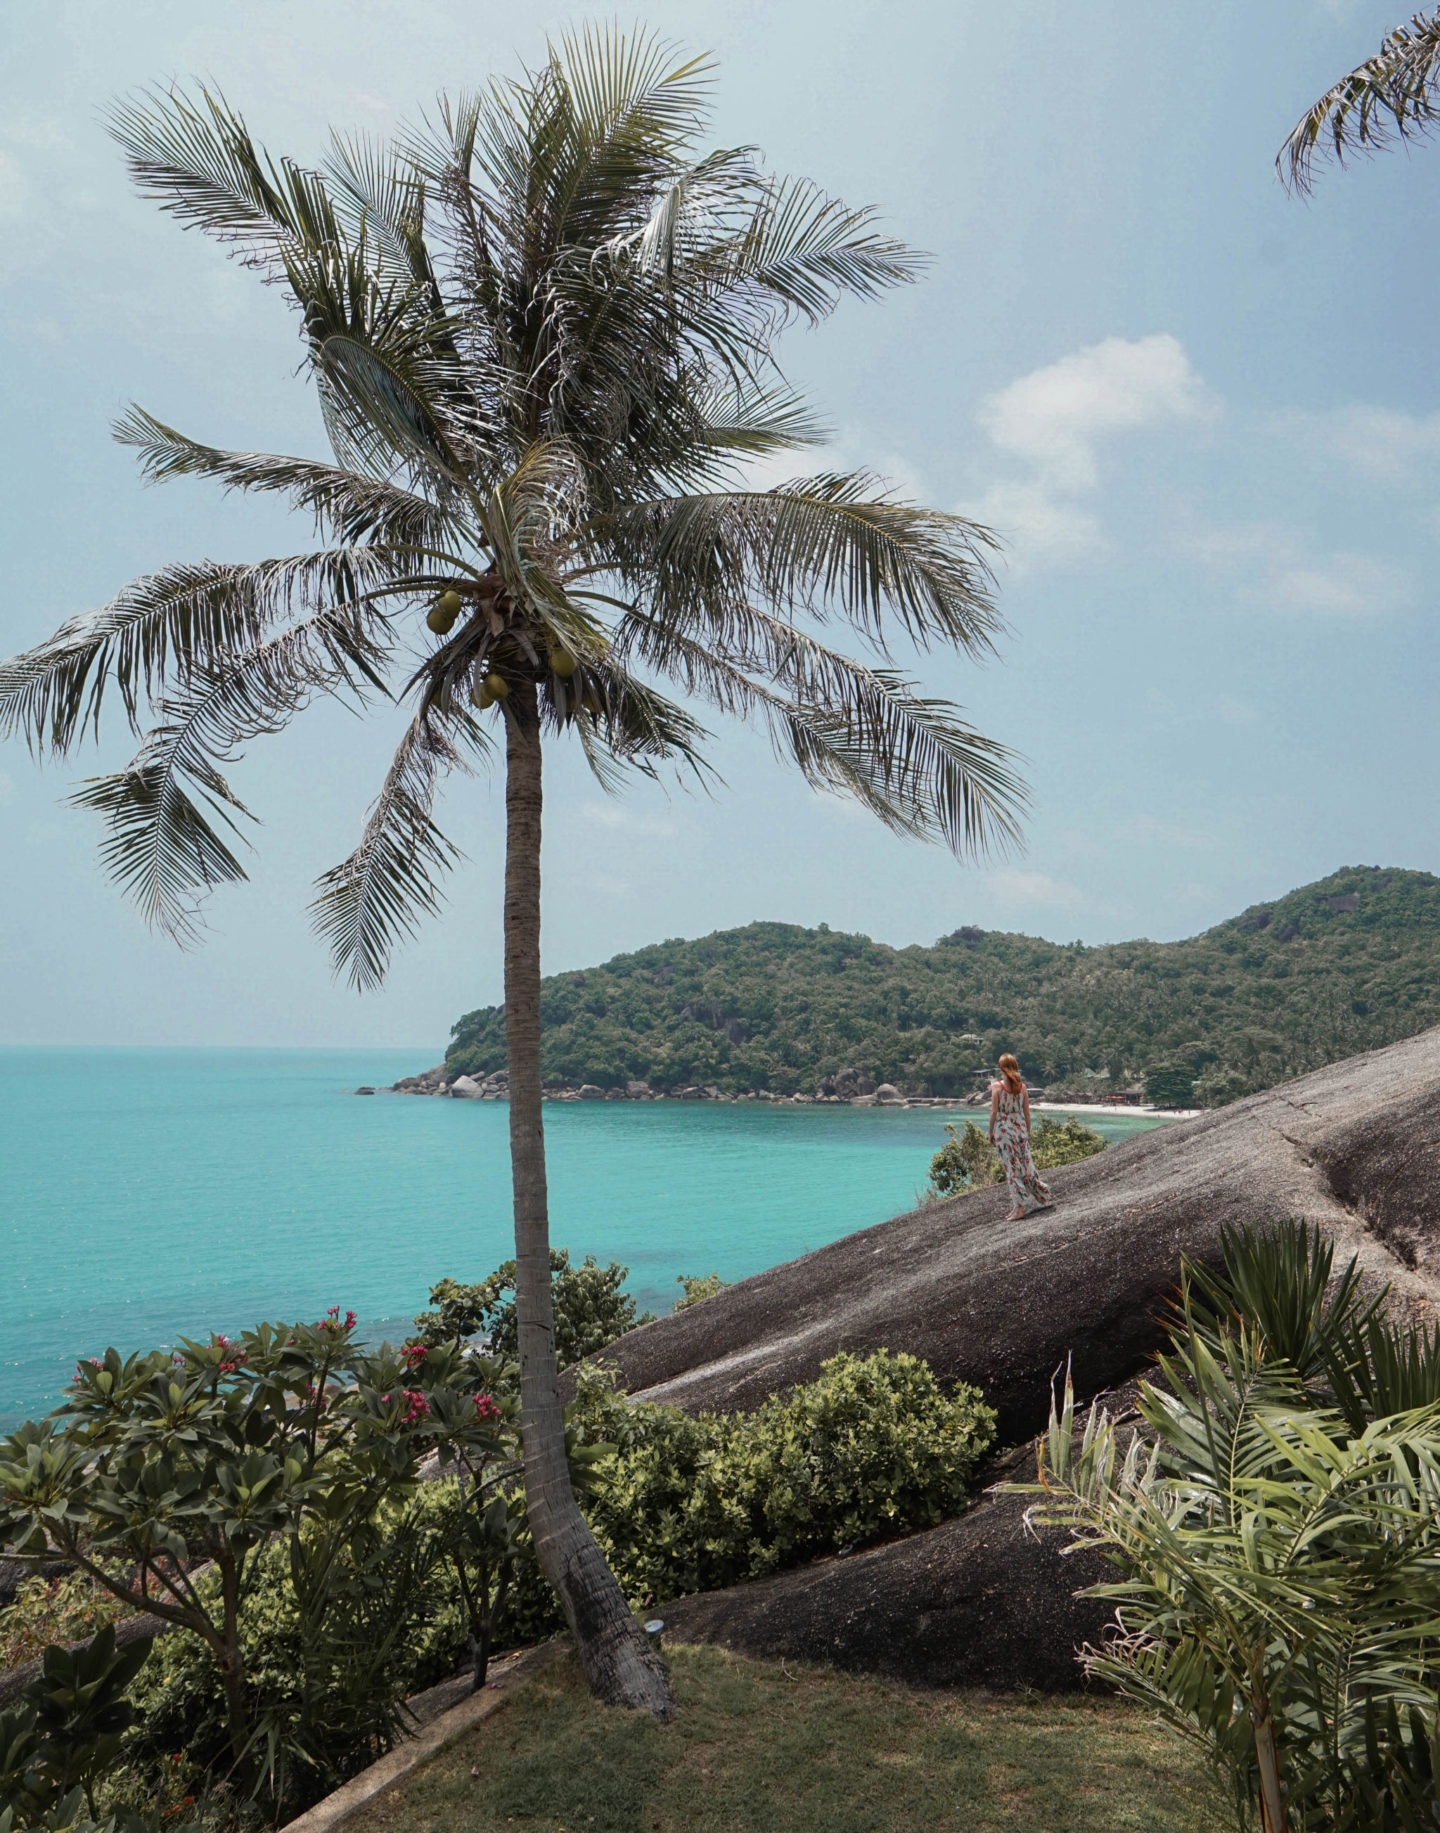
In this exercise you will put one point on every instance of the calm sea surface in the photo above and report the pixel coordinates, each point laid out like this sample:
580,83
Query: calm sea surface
149,1194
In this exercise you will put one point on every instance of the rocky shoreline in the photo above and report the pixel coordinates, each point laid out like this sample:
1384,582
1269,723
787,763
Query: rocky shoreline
850,1088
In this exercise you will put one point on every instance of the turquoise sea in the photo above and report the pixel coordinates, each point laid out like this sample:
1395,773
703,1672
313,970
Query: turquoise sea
150,1194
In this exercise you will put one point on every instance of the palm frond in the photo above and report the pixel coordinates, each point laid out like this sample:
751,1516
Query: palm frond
170,626
197,160
380,195
162,847
1391,96
627,721
630,108
377,896
827,545
862,731
350,505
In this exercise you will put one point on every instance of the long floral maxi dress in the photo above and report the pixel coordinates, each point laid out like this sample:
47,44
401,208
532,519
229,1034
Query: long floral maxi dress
1013,1141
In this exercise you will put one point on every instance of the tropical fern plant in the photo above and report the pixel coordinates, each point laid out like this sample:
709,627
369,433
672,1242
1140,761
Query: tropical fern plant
1390,97
542,331
1278,1594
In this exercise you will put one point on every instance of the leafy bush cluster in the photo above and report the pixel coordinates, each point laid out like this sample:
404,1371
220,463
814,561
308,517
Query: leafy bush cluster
262,1495
1343,965
47,1610
695,1288
967,1160
1276,1523
692,1502
66,1732
185,1483
591,1311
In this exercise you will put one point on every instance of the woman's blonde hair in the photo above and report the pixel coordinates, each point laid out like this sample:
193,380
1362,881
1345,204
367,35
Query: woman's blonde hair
1010,1069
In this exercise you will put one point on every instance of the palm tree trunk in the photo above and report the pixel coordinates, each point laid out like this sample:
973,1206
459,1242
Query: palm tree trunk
619,1664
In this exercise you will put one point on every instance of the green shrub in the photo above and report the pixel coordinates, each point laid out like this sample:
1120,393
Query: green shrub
968,1161
279,1453
591,1311
696,1288
46,1610
693,1502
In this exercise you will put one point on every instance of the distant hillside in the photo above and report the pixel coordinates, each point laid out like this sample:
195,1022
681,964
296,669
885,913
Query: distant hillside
1344,965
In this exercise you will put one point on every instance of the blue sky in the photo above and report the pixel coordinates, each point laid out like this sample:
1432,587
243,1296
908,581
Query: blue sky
1203,415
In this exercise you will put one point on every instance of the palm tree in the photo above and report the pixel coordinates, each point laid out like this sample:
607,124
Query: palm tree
1391,96
542,334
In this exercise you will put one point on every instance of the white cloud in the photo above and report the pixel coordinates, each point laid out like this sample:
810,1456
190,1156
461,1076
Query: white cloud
1041,527
1237,713
1055,416
1348,585
1055,420
1380,441
1287,574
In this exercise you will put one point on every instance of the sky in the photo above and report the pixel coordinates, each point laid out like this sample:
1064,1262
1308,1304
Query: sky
1203,416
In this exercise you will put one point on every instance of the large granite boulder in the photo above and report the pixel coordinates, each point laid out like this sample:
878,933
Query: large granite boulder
1354,1148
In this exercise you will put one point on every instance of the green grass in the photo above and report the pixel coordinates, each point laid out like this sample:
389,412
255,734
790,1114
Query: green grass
764,1748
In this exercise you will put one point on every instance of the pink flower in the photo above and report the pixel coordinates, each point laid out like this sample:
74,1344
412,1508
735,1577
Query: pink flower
413,1353
419,1405
485,1407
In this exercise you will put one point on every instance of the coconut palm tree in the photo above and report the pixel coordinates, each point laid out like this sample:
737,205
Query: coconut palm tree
542,332
1391,96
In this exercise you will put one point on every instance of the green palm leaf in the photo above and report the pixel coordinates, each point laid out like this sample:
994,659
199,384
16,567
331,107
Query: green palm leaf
1391,96
161,847
348,505
377,895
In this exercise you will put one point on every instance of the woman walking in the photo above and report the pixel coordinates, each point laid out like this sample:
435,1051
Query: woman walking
1010,1135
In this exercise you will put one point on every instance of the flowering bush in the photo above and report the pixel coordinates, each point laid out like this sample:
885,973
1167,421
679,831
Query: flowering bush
288,1443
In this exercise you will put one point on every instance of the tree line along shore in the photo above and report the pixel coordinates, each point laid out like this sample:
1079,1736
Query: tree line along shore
1337,967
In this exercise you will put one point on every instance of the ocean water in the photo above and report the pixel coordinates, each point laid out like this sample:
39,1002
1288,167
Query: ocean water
150,1194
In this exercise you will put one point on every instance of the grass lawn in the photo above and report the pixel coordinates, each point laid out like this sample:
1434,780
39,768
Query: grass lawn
764,1748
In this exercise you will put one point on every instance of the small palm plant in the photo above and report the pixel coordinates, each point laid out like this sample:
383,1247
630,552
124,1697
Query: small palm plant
1275,1517
542,332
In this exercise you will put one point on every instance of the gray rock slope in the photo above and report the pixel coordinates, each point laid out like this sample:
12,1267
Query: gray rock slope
1354,1148
979,1601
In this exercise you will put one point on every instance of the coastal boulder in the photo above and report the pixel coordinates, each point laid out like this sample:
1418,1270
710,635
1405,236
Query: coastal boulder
466,1088
1354,1148
589,1092
980,1601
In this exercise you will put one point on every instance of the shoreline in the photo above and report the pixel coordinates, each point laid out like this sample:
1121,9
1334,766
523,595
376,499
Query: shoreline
1118,1107
437,1083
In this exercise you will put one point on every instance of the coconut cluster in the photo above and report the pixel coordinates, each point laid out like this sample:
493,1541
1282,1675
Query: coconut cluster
492,687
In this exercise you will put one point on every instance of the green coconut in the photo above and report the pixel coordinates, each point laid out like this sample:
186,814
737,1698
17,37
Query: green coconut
442,614
562,663
496,686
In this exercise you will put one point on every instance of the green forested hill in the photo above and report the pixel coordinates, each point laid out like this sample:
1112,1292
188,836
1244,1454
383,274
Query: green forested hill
1340,966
